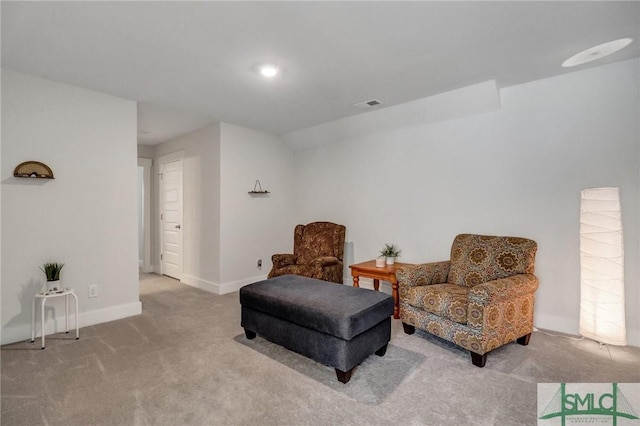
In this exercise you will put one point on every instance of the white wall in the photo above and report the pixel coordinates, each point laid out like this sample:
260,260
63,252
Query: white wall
253,227
1,171
201,205
140,187
516,171
226,230
144,220
146,153
85,218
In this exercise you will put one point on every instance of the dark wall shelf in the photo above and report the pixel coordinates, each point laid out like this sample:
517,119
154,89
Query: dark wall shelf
257,189
33,170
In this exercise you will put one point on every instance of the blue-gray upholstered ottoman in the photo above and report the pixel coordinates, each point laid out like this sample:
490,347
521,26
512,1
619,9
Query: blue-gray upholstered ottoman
336,325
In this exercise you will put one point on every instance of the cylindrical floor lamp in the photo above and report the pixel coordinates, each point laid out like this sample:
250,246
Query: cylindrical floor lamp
602,313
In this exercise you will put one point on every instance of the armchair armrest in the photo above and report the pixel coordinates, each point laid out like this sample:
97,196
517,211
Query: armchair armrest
492,312
282,260
423,274
504,289
324,261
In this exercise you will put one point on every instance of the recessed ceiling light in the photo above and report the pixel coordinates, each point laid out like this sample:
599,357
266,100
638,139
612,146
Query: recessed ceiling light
268,70
597,52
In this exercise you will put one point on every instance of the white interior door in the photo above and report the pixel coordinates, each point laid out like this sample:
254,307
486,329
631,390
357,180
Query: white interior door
171,218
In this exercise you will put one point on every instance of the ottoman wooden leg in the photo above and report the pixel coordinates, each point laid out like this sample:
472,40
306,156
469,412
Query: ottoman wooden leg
249,334
382,350
344,376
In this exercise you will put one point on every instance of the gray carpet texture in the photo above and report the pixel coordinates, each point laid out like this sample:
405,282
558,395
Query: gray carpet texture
185,361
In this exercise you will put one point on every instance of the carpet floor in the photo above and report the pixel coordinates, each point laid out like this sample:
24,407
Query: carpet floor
185,361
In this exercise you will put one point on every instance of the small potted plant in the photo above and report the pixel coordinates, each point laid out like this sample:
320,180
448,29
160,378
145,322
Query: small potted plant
390,252
52,272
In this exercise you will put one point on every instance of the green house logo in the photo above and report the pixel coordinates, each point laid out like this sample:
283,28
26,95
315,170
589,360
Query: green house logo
591,407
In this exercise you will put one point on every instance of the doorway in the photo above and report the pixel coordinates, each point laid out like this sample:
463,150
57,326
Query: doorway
171,246
144,215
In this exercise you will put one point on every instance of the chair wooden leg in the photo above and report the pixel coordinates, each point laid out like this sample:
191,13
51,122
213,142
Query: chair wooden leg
524,340
408,328
344,376
477,359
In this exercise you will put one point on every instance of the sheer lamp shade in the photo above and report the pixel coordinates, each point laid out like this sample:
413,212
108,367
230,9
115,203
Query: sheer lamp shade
602,313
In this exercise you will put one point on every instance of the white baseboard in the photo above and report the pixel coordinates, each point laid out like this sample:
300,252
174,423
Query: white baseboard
217,288
554,323
109,314
236,285
148,269
200,283
23,331
570,326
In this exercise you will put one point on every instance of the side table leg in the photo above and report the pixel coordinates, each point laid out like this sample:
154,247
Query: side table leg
66,313
33,321
356,280
42,320
77,328
394,293
376,285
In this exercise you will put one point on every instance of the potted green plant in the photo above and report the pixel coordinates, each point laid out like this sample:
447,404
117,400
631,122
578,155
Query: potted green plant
390,252
52,273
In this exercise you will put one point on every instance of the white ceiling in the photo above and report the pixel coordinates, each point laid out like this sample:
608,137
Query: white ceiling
191,63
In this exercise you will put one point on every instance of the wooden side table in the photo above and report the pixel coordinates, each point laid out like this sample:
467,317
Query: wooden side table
368,269
43,299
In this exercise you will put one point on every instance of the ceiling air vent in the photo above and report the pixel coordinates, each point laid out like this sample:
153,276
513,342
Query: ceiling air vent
368,104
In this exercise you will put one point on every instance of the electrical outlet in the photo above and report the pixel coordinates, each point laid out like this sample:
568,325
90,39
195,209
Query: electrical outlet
259,264
93,290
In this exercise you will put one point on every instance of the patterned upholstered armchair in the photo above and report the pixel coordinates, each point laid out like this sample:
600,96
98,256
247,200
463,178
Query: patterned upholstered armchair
318,249
480,299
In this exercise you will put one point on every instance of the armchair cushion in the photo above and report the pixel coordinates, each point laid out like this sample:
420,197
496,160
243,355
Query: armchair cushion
302,270
446,300
504,289
324,261
476,259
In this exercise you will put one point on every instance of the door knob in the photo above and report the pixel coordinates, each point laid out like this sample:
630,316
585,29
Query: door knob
177,226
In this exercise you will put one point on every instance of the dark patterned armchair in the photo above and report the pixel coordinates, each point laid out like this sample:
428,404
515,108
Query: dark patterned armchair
480,299
318,249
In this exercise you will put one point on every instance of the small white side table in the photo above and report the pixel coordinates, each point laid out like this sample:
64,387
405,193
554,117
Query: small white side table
43,299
